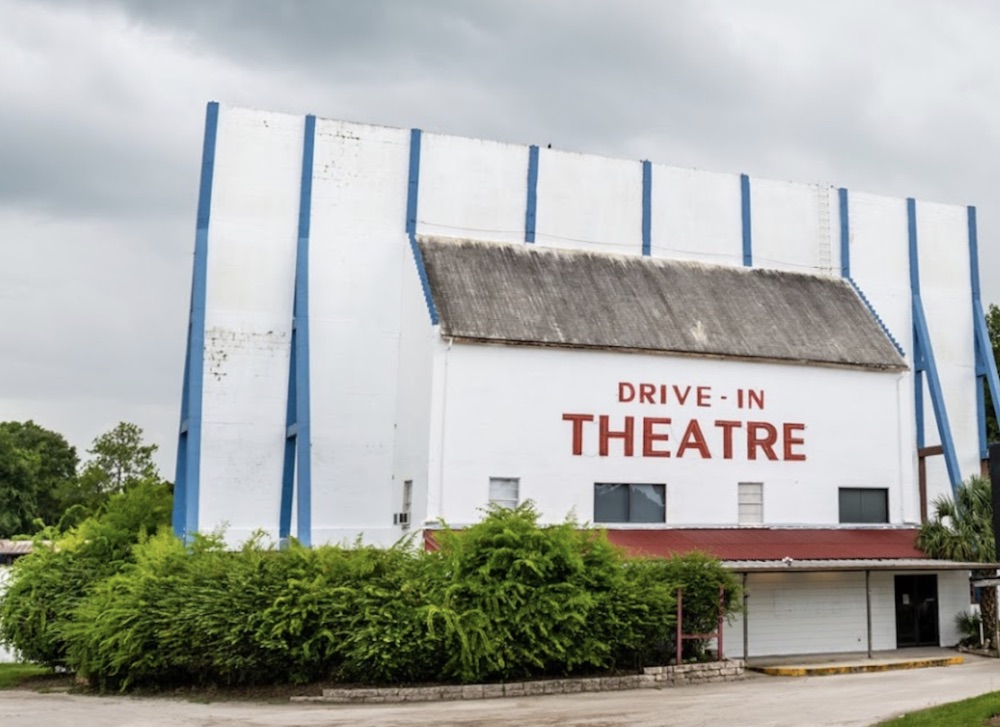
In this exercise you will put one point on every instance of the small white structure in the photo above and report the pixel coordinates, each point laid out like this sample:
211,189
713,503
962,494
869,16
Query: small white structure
10,550
389,328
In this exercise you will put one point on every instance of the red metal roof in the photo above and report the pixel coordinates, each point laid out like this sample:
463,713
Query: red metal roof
765,543
773,543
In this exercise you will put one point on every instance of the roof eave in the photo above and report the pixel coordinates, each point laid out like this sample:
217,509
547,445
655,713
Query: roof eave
880,367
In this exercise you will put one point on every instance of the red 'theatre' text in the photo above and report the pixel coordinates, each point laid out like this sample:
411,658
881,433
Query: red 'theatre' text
633,436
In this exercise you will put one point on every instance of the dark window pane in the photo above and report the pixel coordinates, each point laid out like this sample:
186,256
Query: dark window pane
647,504
875,506
850,505
864,505
610,503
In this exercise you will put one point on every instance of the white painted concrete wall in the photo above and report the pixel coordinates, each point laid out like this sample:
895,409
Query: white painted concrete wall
802,613
358,255
588,202
251,266
503,408
696,215
472,188
370,395
791,224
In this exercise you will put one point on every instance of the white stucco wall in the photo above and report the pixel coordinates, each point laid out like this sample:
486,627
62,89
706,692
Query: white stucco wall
251,269
375,399
504,410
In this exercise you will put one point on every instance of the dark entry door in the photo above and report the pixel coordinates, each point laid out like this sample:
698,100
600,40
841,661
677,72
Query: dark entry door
916,611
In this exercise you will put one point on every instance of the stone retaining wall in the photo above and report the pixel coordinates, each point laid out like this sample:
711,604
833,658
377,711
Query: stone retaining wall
654,677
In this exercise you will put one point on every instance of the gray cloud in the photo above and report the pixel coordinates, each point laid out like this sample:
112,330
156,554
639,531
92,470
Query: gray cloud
104,101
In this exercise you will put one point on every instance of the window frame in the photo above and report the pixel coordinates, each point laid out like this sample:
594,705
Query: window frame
862,492
743,488
628,503
504,501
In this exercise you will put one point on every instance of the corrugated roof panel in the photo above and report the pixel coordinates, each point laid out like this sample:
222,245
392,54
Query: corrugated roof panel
734,544
529,295
765,544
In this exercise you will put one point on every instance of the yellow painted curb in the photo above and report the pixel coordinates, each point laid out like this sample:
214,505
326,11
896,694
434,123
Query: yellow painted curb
854,668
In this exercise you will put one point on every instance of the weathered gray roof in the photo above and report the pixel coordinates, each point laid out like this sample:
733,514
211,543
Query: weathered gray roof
531,295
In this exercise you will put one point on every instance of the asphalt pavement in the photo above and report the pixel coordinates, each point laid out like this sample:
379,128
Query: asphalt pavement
847,700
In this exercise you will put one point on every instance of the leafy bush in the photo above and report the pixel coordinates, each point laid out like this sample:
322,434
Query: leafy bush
505,598
527,600
969,624
46,586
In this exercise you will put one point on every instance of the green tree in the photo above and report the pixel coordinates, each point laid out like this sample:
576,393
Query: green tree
119,460
962,529
37,467
18,487
993,326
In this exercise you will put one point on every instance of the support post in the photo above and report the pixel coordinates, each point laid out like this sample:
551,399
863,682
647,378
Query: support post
922,454
296,478
924,362
868,609
187,481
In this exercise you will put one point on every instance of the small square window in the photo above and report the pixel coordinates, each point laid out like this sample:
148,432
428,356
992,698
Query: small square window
505,491
751,503
630,503
864,505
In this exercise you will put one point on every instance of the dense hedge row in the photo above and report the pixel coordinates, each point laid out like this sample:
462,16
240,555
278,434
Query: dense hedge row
503,599
46,587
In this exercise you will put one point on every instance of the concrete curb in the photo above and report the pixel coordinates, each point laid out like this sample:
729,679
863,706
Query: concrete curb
807,670
655,677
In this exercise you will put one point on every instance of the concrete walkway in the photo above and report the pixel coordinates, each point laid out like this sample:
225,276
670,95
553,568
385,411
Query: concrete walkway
851,700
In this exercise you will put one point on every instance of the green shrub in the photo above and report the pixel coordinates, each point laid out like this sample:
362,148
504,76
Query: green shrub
46,586
505,598
526,600
969,625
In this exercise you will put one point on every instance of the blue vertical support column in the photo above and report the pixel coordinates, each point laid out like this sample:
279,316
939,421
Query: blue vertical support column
297,471
412,193
986,365
532,202
745,214
179,519
187,479
291,440
647,208
923,360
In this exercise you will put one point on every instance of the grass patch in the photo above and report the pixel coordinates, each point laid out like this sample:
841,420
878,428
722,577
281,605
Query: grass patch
972,712
16,675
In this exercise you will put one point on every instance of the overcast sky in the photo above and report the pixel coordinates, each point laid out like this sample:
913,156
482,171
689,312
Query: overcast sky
102,111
